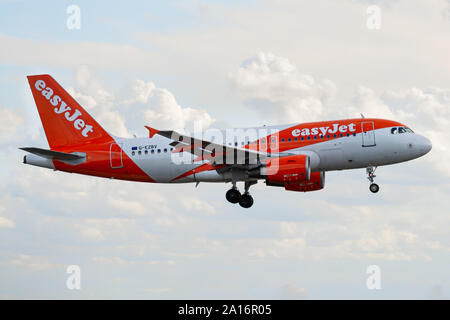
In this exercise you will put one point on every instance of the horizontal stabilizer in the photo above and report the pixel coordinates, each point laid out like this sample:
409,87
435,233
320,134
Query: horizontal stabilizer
50,154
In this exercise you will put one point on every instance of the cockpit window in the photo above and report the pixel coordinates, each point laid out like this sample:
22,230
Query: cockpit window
401,130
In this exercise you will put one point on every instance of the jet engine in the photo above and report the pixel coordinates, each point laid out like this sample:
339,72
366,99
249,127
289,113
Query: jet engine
316,182
290,169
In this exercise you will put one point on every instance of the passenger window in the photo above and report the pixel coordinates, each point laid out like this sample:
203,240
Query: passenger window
289,139
159,150
146,151
282,140
152,151
309,137
303,138
133,153
139,152
165,150
328,136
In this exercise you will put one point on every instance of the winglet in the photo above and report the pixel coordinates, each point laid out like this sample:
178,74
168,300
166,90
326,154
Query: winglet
151,131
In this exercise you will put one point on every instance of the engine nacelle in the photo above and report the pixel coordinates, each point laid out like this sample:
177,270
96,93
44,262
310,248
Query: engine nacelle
290,169
316,182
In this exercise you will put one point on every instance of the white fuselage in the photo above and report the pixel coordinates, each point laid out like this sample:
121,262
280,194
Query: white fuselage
347,152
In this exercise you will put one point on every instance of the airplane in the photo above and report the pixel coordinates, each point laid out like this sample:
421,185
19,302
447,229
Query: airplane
294,157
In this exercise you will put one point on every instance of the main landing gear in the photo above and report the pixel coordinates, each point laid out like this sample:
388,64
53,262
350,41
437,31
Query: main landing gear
245,200
371,175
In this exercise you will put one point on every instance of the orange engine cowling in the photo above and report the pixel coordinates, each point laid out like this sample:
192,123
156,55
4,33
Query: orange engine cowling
290,169
316,182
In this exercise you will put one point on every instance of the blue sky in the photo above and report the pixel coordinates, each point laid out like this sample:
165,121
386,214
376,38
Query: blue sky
102,21
226,63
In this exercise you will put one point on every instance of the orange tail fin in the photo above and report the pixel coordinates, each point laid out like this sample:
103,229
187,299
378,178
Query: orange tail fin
65,121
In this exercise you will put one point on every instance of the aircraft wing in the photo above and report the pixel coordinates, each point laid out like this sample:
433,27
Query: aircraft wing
216,153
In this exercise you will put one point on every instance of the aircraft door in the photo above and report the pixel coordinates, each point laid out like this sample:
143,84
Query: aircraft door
368,134
115,156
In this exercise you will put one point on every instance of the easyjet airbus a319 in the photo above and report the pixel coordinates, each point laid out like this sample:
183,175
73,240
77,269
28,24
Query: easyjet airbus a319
294,156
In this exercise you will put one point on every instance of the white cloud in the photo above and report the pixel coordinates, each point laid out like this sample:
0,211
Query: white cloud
36,263
197,205
367,102
6,223
132,207
288,94
290,291
92,234
144,102
163,221
124,262
427,111
99,54
163,111
141,92
116,223
98,101
11,123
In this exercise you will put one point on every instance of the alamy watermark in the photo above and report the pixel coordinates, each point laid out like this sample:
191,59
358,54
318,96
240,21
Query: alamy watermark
373,282
73,281
373,21
73,21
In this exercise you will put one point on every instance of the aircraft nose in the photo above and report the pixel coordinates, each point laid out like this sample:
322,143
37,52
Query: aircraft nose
428,145
424,145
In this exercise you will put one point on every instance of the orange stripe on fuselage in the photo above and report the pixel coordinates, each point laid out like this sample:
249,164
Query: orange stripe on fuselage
324,126
98,162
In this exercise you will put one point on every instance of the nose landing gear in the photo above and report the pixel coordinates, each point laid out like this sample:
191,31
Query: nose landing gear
245,200
374,188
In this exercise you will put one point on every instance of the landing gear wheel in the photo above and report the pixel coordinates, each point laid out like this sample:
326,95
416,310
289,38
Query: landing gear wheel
233,195
370,170
374,187
246,200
